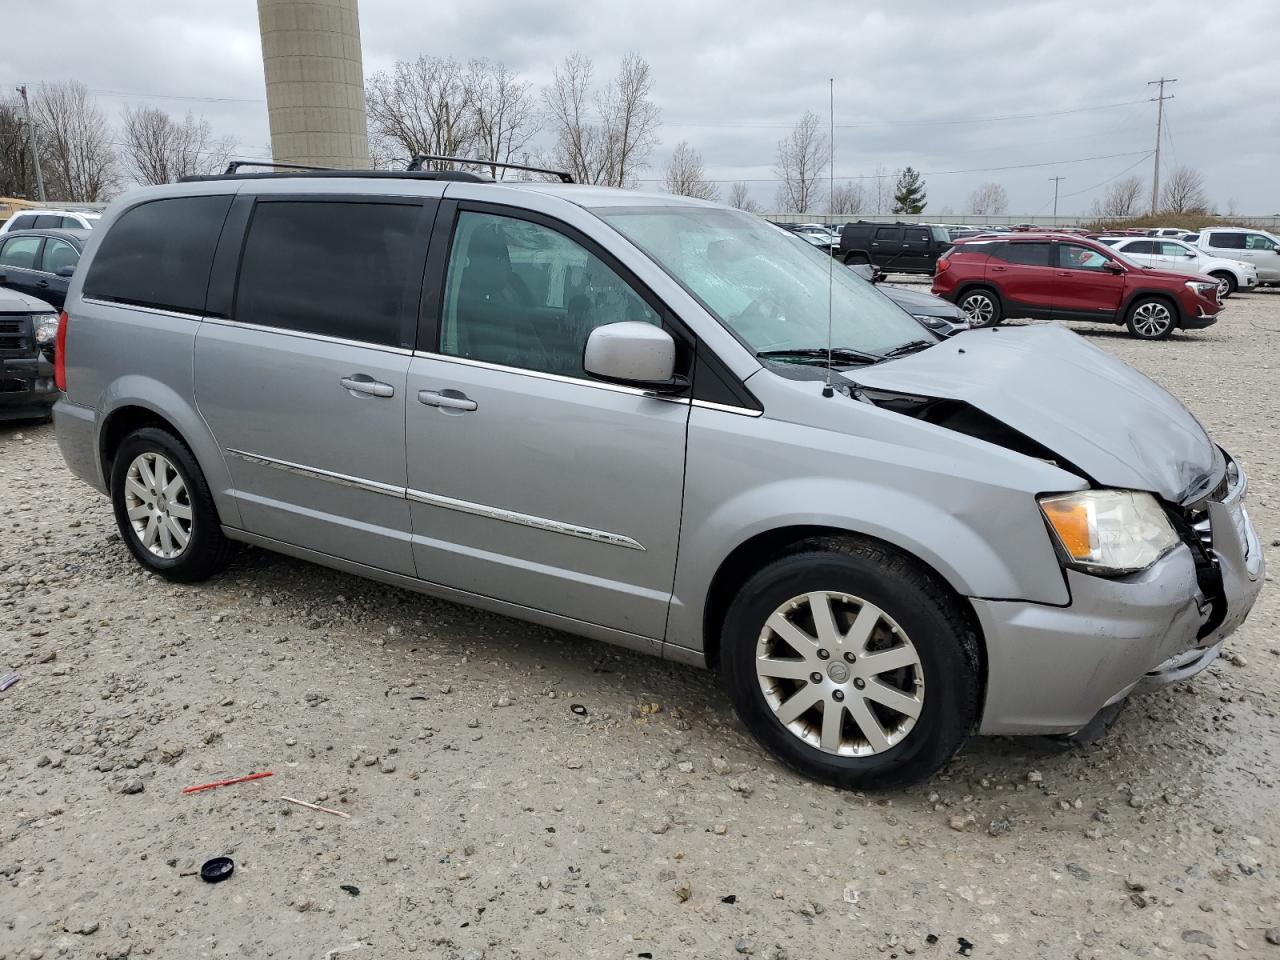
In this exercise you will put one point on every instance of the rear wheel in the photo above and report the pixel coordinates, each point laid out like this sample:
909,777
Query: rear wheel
852,259
164,508
982,307
1151,318
1226,284
852,664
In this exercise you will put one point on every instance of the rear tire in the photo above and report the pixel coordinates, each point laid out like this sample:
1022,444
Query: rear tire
164,508
1151,318
855,258
853,726
1226,284
982,307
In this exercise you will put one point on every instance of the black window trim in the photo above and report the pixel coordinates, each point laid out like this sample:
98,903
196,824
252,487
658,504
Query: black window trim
231,262
429,327
161,308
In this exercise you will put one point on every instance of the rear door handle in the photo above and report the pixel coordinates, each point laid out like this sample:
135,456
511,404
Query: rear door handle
447,400
366,386
999,269
1064,273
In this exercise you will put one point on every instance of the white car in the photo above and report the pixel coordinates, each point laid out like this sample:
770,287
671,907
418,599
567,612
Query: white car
45,219
1258,247
1162,253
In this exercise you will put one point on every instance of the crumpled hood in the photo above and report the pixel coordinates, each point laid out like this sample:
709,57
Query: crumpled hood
1074,399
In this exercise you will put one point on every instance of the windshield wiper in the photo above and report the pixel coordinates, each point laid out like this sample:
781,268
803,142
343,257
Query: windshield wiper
911,346
819,355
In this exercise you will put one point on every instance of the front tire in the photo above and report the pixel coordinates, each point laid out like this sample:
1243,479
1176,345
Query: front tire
852,664
1226,284
982,307
1151,318
164,508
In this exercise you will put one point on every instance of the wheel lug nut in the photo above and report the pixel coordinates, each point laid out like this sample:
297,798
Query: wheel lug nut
859,683
815,677
823,655
850,657
837,695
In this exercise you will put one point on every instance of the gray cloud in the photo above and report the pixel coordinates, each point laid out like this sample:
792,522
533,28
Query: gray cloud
732,74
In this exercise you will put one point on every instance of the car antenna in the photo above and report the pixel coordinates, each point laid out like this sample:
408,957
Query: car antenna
827,391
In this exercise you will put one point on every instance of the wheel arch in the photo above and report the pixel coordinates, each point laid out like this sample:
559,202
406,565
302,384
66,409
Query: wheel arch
1150,293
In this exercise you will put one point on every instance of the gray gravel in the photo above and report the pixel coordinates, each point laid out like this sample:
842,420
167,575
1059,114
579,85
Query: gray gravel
488,819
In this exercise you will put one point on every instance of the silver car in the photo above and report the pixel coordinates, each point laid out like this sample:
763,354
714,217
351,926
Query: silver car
612,413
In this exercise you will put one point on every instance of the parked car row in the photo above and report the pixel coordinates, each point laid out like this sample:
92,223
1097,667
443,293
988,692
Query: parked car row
45,219
1160,253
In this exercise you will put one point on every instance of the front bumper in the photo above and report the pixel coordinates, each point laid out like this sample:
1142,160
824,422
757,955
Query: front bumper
1051,669
27,389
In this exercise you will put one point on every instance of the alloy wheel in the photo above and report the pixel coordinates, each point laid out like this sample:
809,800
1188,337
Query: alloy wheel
1152,319
158,505
1224,288
840,674
979,308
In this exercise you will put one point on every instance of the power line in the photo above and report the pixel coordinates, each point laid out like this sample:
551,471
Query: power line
1141,159
769,124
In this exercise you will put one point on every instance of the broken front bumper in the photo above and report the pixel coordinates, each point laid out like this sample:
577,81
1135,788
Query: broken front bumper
27,389
1051,669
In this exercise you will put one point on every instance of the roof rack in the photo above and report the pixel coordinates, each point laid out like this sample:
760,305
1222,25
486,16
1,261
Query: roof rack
417,162
234,166
291,170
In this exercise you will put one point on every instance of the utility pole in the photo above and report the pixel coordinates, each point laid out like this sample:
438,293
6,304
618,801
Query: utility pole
1056,181
31,135
1159,99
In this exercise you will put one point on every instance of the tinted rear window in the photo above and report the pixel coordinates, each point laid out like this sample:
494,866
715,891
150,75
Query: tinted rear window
24,221
1030,254
887,233
1233,241
335,268
1141,247
158,254
45,221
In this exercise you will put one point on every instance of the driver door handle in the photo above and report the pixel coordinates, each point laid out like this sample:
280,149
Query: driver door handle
367,386
436,398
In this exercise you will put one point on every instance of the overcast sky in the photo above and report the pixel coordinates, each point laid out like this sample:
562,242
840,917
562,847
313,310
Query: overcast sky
916,83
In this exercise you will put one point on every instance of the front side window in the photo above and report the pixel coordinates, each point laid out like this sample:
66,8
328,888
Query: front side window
20,252
59,254
1168,249
762,285
521,294
1256,241
71,223
1028,254
333,268
159,253
1072,256
915,235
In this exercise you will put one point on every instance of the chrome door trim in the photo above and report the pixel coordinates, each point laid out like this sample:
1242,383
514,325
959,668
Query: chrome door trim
554,377
301,334
133,306
524,519
373,486
727,408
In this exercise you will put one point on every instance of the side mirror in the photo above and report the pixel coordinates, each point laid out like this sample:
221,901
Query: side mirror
632,353
865,270
66,270
1114,267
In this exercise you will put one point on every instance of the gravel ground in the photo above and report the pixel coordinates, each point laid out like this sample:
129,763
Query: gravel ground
489,819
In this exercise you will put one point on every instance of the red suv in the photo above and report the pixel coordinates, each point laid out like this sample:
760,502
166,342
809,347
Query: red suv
1070,278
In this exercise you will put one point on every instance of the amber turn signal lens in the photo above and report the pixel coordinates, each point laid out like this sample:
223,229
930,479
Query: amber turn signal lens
1070,520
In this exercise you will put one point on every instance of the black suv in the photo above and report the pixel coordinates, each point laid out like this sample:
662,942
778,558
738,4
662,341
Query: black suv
28,328
894,247
41,262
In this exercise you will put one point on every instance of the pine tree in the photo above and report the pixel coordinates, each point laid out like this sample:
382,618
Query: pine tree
909,195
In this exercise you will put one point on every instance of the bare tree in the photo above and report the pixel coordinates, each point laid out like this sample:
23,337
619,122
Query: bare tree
17,167
159,149
847,199
989,199
685,175
502,111
740,199
884,179
1184,192
602,136
802,156
421,107
1121,200
75,143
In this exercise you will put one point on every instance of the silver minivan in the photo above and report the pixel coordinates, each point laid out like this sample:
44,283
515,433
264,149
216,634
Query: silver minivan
612,413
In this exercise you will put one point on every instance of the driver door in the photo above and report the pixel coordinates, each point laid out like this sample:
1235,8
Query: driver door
530,482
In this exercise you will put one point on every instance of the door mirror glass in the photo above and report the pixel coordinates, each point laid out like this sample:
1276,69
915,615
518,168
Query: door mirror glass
1113,267
66,270
631,352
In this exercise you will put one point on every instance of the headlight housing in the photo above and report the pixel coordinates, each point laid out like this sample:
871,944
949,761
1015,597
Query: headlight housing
933,323
1109,532
46,327
1202,287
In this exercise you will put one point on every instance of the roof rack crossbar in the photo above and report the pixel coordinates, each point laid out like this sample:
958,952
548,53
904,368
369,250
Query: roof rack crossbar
417,162
234,166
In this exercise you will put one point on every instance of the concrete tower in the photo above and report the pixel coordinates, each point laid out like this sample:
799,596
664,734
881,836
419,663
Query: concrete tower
315,81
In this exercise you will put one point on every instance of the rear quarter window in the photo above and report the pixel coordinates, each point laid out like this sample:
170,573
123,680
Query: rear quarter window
159,253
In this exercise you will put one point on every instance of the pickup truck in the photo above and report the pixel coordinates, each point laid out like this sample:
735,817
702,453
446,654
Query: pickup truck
28,328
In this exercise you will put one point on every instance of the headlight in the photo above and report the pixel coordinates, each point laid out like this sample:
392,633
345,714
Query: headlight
1201,287
46,325
935,323
1109,531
